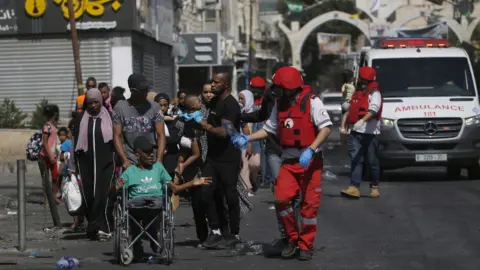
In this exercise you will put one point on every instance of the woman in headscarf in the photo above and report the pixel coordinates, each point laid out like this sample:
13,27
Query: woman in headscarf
95,163
251,156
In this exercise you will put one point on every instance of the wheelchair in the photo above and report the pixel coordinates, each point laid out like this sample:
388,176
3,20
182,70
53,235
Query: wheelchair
124,219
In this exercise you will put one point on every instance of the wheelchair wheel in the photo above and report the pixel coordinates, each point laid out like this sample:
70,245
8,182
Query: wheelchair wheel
117,240
126,256
168,233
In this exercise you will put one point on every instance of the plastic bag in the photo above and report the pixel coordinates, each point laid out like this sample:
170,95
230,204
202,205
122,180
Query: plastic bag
71,194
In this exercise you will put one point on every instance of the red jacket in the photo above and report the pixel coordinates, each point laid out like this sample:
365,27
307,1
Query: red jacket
360,104
295,126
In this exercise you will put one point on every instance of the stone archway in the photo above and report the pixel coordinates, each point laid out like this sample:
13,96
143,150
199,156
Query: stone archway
297,36
471,28
461,32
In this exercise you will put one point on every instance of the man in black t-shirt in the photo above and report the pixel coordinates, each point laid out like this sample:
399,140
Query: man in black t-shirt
223,162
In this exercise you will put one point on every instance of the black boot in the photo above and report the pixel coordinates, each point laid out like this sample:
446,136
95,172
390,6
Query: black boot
290,250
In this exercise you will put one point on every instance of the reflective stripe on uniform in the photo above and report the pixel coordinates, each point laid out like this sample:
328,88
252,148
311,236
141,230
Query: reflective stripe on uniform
286,212
318,190
309,221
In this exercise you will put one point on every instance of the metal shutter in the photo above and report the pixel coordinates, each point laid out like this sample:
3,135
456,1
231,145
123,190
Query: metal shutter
164,71
149,67
137,54
33,69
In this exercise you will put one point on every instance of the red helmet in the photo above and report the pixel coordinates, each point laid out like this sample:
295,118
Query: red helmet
258,82
367,73
288,78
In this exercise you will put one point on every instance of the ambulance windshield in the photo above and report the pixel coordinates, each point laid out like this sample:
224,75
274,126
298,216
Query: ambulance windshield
330,100
424,77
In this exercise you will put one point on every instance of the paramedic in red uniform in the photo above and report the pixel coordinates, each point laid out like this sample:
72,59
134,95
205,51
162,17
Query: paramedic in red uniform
363,119
302,124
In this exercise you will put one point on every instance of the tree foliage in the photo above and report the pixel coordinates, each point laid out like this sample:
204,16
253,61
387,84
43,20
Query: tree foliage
38,120
10,115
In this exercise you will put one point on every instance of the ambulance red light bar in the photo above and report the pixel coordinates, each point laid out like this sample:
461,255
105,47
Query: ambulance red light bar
414,43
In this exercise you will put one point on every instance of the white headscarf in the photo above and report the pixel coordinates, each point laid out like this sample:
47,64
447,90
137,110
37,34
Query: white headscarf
248,95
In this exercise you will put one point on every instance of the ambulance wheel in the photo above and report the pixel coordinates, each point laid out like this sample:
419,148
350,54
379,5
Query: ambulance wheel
454,172
473,172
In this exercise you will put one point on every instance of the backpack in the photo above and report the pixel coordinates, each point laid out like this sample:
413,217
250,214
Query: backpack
34,145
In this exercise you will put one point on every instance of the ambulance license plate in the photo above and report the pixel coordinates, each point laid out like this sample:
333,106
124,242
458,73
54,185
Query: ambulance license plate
430,157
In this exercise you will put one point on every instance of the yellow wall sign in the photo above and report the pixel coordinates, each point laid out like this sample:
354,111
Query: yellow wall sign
35,8
94,8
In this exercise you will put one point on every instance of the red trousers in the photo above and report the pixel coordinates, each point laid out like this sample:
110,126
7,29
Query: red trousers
292,180
49,167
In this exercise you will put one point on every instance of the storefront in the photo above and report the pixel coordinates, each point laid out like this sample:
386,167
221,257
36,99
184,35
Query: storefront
36,57
200,55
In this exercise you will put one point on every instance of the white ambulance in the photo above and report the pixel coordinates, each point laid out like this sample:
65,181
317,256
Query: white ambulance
431,111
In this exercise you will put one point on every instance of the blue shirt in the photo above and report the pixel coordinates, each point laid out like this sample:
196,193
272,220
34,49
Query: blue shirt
67,147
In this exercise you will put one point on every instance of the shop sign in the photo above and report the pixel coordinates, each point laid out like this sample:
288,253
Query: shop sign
202,49
8,17
52,16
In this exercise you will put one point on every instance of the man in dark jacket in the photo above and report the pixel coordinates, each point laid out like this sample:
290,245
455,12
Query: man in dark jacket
273,150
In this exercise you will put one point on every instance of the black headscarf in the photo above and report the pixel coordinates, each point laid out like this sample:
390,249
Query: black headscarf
160,96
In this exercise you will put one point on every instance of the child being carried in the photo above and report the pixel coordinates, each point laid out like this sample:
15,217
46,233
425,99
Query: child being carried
189,144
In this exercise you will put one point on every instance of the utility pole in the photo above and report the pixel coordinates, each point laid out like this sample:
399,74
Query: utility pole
75,47
250,44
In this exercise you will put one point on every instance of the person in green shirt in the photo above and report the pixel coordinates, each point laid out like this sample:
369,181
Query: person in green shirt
144,183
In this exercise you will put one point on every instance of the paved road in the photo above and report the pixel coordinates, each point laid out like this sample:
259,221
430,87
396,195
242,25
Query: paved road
422,221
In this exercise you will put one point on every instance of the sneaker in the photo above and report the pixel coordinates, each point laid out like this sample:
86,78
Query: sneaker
250,194
351,192
305,255
374,192
289,250
103,236
214,241
232,240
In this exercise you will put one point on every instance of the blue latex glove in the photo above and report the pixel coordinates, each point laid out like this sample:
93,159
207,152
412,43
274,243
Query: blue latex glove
306,157
241,141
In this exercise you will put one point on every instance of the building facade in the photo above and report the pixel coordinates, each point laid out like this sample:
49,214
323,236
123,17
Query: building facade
116,39
204,41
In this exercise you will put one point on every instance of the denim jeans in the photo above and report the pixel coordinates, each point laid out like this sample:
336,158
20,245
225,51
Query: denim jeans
360,147
274,162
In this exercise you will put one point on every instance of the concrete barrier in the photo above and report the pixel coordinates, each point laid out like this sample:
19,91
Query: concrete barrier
13,143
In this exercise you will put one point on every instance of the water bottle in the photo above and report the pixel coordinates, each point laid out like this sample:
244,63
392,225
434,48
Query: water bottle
67,263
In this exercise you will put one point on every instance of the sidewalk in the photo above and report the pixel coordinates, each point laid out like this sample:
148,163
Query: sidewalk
37,218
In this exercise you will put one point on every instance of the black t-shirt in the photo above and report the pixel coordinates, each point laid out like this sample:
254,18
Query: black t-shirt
222,149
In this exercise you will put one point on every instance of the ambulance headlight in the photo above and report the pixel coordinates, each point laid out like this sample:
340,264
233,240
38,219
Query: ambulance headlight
388,123
475,120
